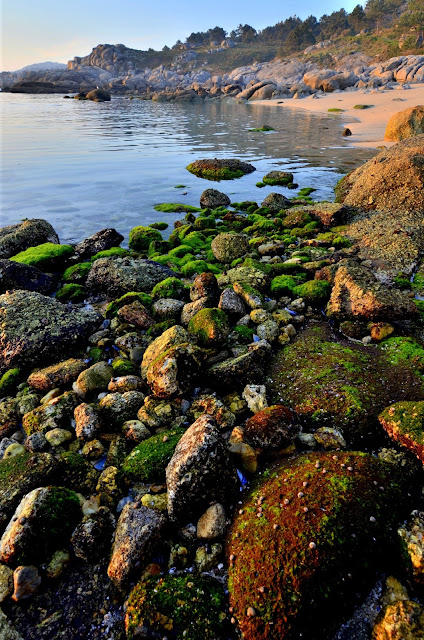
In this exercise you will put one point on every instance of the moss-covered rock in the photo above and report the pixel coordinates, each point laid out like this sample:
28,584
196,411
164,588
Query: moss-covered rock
71,293
314,292
209,327
323,517
113,307
114,252
191,608
45,517
9,381
172,207
171,337
333,383
141,237
404,422
275,178
148,461
170,288
16,238
285,285
77,474
227,247
271,428
175,371
215,169
47,256
77,273
56,413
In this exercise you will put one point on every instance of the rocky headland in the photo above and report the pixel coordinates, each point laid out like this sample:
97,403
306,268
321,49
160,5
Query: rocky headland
123,71
219,434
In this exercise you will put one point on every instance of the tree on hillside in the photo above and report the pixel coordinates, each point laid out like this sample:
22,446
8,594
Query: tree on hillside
334,24
375,11
357,19
244,33
217,34
413,18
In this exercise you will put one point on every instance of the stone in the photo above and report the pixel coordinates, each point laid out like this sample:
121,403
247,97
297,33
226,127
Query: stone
137,535
116,408
220,169
14,275
56,413
6,582
252,298
26,582
232,304
329,214
357,294
171,337
204,285
213,407
93,450
192,308
87,421
212,199
29,233
405,124
411,535
58,563
280,178
100,241
167,309
276,202
268,331
135,431
285,512
404,422
227,247
245,276
57,437
92,538
393,179
117,276
402,620
35,329
7,631
209,327
272,428
200,471
57,375
125,383
255,396
157,502
136,314
212,524
109,487
98,95
235,373
329,438
93,380
175,371
44,517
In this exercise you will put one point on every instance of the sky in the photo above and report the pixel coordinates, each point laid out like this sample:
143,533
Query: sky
37,31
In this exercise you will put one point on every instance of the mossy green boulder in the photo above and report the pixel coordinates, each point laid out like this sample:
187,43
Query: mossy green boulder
285,285
170,288
148,461
340,384
220,169
209,327
227,247
313,292
71,293
189,607
77,273
9,381
274,178
42,521
172,207
404,422
113,307
141,237
47,256
314,521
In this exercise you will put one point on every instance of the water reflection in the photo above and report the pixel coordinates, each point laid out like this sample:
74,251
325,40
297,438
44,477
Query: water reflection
57,162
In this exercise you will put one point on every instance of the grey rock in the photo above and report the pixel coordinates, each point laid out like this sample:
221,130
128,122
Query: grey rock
100,241
116,276
21,236
14,275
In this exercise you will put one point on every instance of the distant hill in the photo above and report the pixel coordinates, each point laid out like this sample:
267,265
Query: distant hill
42,66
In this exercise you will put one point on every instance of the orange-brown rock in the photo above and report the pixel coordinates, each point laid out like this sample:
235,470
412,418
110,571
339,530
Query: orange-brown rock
58,375
405,124
272,428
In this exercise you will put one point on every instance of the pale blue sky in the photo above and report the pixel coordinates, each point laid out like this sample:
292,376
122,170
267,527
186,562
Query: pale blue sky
50,30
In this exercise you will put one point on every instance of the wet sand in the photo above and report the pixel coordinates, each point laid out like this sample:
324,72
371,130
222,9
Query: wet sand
367,125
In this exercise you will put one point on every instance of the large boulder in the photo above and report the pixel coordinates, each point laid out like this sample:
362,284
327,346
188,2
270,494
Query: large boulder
100,241
14,275
306,538
211,199
393,179
29,233
220,169
34,328
137,535
200,471
405,124
358,294
404,421
227,247
170,338
98,95
175,371
241,370
116,276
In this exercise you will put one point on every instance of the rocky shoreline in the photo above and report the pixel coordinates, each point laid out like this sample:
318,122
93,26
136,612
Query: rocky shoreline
112,68
219,435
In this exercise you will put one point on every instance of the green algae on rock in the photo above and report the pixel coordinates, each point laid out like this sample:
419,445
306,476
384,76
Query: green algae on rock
278,178
141,237
169,288
339,384
322,518
404,422
172,207
189,607
77,273
71,292
16,238
220,169
47,256
209,326
148,461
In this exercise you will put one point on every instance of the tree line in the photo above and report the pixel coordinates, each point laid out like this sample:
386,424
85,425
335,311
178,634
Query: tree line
294,34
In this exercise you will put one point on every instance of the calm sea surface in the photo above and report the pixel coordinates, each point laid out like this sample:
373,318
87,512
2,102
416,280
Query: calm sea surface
85,166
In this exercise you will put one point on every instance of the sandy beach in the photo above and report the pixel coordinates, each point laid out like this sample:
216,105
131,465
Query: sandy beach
367,125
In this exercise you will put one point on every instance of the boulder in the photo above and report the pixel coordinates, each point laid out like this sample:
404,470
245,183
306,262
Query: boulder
175,371
204,285
34,328
57,375
169,338
54,414
358,294
14,275
405,124
235,373
411,535
264,93
275,202
404,421
200,471
29,233
98,95
93,380
92,538
136,537
209,327
393,179
324,517
211,199
117,276
220,169
100,241
400,620
271,428
227,247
